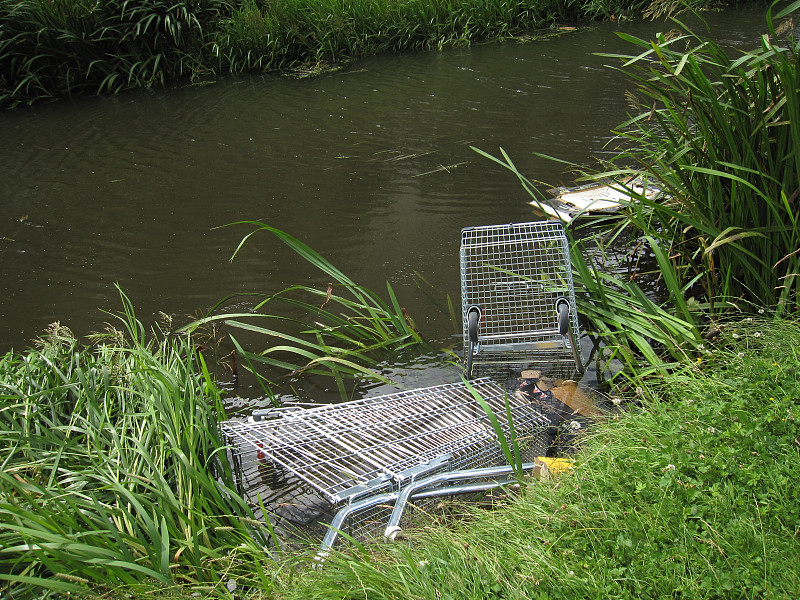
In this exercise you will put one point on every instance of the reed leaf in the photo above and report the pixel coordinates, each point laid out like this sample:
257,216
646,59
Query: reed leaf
338,334
509,445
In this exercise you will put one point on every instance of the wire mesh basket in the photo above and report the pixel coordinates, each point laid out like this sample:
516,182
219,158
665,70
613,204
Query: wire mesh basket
517,293
306,464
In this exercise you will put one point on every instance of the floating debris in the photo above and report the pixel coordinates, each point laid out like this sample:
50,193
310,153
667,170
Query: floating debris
569,203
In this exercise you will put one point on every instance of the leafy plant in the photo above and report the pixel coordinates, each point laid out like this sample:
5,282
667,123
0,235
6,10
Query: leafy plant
509,443
346,324
113,467
720,138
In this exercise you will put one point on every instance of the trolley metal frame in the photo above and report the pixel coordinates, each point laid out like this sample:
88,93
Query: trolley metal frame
517,292
353,454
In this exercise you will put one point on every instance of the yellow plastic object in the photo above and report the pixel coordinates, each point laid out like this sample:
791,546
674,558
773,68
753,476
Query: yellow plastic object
555,465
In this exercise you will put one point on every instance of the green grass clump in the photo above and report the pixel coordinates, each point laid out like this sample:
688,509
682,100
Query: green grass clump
340,331
693,494
113,470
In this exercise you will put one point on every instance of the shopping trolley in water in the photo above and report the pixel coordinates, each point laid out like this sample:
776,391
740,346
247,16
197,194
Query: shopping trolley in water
517,294
366,459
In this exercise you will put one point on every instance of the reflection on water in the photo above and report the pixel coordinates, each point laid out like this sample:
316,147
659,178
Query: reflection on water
370,165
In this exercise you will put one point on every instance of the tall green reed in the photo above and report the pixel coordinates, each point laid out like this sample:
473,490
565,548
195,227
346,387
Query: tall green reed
509,443
113,467
342,329
60,47
720,137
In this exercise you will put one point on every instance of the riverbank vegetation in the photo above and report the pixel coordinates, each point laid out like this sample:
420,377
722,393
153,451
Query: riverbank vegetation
113,470
692,494
340,331
55,48
719,134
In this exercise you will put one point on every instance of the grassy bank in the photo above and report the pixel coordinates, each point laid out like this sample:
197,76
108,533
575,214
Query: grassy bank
112,468
694,495
113,486
114,483
53,48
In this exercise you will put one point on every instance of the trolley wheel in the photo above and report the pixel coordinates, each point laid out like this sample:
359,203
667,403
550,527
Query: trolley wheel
562,307
473,318
470,352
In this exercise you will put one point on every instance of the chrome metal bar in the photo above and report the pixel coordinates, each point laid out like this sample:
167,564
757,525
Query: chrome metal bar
523,334
335,526
393,526
471,488
576,354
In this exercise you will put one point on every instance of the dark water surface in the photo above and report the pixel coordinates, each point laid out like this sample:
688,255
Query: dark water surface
370,165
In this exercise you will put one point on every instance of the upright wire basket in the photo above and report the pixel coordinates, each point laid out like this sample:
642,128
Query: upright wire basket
352,461
518,296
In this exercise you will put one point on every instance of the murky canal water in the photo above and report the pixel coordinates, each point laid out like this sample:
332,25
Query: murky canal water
370,165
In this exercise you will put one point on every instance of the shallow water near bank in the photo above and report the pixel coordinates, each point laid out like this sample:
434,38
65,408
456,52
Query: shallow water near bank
370,165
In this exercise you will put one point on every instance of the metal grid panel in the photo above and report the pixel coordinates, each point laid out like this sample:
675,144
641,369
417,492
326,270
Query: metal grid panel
339,447
515,273
368,523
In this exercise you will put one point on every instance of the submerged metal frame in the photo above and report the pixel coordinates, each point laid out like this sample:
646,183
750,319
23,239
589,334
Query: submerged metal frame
355,453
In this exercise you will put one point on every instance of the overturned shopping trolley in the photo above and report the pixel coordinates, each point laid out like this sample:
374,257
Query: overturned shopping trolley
517,294
364,460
